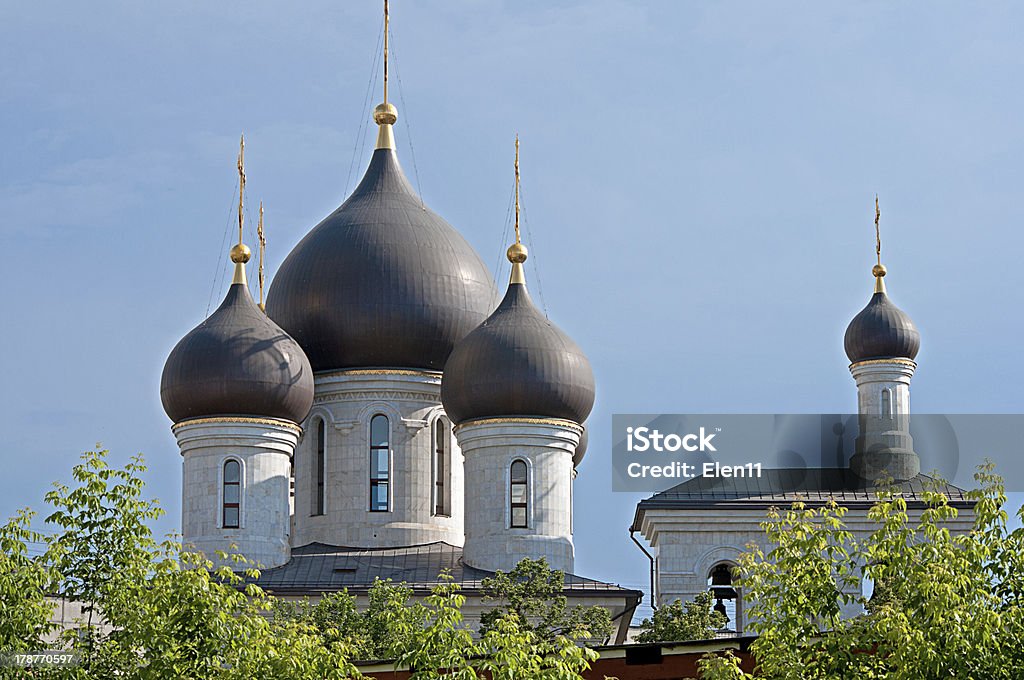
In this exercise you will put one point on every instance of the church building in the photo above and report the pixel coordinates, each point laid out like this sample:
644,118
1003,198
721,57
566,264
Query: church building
697,529
389,415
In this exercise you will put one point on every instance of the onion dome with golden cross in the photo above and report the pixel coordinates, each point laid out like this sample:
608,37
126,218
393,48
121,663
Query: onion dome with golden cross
881,330
383,281
237,362
517,363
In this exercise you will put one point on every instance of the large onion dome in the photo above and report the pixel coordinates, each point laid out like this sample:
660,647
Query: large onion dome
237,363
881,330
382,281
517,363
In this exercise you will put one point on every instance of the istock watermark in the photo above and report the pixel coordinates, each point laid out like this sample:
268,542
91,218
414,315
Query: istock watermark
657,452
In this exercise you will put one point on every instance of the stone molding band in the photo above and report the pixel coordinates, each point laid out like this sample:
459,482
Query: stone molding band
228,420
869,362
522,420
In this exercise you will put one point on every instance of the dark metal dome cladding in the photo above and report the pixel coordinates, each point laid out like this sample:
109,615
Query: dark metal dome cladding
517,363
237,363
881,331
382,281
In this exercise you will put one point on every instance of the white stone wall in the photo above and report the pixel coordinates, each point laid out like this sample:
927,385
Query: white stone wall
489,448
688,543
884,446
346,401
263,448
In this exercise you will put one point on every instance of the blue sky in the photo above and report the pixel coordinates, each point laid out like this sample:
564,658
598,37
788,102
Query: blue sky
698,182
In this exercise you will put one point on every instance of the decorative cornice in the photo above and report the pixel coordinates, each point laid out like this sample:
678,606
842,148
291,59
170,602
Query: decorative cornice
234,420
869,362
522,420
377,395
381,371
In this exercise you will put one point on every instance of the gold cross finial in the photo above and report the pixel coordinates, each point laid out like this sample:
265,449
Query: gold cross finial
517,251
879,269
878,234
240,252
241,184
385,114
263,246
517,188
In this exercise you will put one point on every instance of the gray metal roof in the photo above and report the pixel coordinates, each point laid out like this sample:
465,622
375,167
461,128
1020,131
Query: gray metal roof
237,362
517,363
382,281
318,568
881,331
780,487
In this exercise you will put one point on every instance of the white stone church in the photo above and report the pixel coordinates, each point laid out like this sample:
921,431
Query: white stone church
389,415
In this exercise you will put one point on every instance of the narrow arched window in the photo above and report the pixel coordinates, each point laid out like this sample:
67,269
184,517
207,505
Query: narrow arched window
320,469
232,494
380,464
519,494
887,403
442,467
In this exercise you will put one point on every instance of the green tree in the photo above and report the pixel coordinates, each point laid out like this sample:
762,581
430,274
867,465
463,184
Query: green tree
532,593
948,604
24,583
154,612
696,620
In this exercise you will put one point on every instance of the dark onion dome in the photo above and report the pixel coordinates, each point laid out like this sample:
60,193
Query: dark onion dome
517,363
237,363
881,330
382,281
581,448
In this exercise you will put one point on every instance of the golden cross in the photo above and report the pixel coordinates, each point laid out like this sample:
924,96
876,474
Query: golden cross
517,187
878,234
263,245
241,184
387,21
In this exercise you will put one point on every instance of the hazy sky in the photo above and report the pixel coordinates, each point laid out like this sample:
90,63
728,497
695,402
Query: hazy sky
698,181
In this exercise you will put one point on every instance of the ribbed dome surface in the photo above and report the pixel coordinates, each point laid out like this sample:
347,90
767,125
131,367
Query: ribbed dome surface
382,281
881,331
517,363
237,363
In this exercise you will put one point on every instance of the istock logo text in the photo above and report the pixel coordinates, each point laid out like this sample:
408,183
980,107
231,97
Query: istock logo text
645,439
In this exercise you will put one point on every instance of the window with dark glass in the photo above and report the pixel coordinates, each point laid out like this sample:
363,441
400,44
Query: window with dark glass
442,467
320,469
380,464
518,494
232,494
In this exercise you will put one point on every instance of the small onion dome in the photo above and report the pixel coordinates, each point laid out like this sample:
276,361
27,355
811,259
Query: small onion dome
382,281
237,363
581,448
881,330
517,363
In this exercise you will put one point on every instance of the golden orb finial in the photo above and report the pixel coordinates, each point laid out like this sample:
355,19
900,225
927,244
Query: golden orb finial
385,114
240,253
878,270
517,253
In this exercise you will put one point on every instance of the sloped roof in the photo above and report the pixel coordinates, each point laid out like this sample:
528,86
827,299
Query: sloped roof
783,486
317,568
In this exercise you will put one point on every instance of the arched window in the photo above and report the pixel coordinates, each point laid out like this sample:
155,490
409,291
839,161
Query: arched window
887,403
727,598
442,467
232,494
519,494
320,469
380,464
